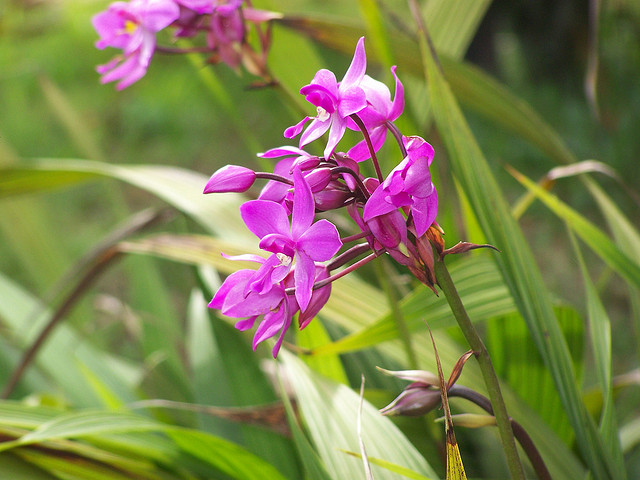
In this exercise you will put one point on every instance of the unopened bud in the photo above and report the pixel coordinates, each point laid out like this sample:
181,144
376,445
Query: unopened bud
330,199
471,420
230,178
413,402
318,178
422,376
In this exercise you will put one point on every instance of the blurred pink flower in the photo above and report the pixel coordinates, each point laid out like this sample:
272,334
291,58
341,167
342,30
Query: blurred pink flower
131,27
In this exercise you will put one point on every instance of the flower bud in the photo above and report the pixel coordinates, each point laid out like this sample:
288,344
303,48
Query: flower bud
389,229
230,178
330,199
421,376
318,178
471,420
413,402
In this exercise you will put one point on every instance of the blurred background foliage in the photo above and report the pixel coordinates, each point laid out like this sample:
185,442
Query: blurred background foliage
147,312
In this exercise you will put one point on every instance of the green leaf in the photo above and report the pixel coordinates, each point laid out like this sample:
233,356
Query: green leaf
597,240
59,357
479,284
79,469
516,263
329,411
630,435
82,424
179,187
209,381
229,458
376,30
13,467
311,462
600,335
516,359
392,467
226,457
192,249
248,386
452,32
330,366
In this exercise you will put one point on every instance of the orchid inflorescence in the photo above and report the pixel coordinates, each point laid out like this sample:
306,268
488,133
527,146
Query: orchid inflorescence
132,27
394,215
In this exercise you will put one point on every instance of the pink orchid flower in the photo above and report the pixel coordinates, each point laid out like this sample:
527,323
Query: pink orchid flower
334,102
131,27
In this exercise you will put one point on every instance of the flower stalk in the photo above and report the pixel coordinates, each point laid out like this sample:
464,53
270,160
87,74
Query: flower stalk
503,421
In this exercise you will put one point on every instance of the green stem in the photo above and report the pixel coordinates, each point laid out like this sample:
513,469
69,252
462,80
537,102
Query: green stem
488,373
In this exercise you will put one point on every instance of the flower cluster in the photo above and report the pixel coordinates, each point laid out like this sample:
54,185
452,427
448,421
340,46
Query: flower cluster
132,27
393,215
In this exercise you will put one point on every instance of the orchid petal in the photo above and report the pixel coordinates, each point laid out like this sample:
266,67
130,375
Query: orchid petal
376,205
325,79
263,217
352,101
237,305
243,325
159,14
398,100
319,298
321,241
283,330
294,130
230,178
378,94
245,257
271,324
389,229
417,181
314,131
358,66
283,151
303,205
304,275
338,126
424,213
360,151
277,243
239,277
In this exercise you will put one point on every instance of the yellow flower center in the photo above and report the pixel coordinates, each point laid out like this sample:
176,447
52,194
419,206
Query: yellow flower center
130,27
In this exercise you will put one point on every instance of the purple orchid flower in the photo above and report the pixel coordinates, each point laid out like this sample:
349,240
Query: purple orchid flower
237,297
379,111
302,240
408,185
131,27
334,102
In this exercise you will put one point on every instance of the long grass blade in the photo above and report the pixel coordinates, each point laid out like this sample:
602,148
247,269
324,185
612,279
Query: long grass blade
595,238
600,335
516,262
